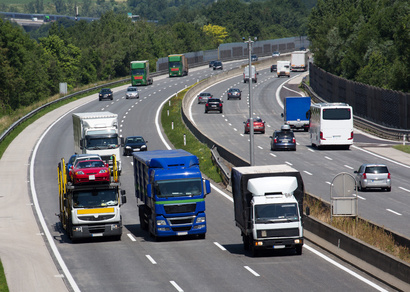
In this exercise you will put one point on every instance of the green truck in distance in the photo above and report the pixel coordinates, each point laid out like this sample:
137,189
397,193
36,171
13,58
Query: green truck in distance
177,65
140,73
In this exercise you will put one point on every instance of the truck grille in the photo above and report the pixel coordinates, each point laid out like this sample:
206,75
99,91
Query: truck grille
180,208
182,220
184,228
279,232
99,218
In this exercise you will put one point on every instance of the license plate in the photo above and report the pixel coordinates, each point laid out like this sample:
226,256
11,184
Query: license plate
182,233
91,177
96,235
213,105
279,246
285,140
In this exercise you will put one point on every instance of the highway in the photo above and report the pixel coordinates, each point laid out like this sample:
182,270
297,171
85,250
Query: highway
218,263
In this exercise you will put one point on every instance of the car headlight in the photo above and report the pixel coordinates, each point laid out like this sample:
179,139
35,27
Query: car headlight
127,147
144,146
79,172
103,171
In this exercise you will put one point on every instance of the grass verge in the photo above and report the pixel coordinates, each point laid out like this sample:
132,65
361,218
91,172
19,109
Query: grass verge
3,281
175,130
404,148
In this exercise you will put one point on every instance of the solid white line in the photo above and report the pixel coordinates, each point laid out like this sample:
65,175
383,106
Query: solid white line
354,274
406,190
382,157
176,286
131,237
394,212
151,259
252,271
220,246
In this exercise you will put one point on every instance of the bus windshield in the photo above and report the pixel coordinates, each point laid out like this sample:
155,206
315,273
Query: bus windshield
336,114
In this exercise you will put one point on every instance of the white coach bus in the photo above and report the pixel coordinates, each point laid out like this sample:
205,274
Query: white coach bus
331,124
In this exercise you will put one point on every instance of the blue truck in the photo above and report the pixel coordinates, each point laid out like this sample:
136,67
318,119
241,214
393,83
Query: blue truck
295,112
170,193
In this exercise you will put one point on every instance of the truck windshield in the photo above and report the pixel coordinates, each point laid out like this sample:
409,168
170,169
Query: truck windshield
174,64
95,198
271,213
178,188
96,143
138,71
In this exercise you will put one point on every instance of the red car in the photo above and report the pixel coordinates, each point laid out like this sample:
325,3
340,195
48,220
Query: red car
90,171
258,126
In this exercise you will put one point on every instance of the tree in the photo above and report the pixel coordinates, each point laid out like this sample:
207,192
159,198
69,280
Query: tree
216,32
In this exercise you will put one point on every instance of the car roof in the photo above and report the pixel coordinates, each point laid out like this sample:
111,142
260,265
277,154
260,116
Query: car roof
373,164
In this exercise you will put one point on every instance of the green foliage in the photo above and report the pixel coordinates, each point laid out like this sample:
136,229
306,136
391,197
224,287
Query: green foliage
365,41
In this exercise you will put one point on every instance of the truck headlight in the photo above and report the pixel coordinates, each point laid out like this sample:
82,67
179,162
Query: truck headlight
200,220
161,222
298,241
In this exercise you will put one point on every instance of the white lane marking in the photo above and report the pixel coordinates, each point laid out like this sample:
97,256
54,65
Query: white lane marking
354,274
288,163
328,182
406,190
179,289
131,237
220,246
360,197
394,212
151,259
307,172
328,158
274,155
382,157
260,147
252,271
311,150
349,167
235,129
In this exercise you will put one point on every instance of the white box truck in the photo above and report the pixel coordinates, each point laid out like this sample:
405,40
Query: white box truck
253,74
97,133
299,61
283,68
268,202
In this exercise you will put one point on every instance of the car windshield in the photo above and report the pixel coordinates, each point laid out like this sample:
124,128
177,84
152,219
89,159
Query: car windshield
178,188
214,100
135,140
131,89
105,90
89,164
287,134
376,169
94,198
271,213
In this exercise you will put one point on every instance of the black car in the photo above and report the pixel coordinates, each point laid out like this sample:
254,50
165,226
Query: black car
105,93
134,144
213,104
273,68
234,93
218,65
211,64
254,58
283,139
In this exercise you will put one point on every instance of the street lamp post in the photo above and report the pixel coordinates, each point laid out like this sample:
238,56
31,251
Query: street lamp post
251,136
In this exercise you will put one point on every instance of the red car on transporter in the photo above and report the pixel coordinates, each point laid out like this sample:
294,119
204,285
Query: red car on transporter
90,171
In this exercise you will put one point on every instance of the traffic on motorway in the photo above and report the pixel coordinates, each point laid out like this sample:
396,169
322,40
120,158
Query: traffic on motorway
219,261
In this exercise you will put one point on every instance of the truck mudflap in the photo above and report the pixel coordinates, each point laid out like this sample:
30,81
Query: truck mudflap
278,243
98,230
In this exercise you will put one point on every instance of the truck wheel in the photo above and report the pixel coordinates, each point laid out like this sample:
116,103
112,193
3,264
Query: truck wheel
298,249
254,251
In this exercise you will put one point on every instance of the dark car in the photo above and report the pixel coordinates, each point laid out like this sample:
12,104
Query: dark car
234,93
258,126
373,176
213,104
203,97
273,68
134,144
302,49
254,58
283,139
105,93
218,65
211,64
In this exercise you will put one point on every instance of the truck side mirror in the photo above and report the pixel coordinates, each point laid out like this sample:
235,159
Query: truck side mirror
82,142
122,141
281,115
149,190
207,187
308,114
123,197
307,211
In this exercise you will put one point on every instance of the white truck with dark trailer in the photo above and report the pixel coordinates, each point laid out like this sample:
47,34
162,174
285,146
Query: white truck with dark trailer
268,202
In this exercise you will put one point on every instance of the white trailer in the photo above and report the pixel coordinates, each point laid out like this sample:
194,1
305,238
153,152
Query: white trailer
97,133
299,61
253,74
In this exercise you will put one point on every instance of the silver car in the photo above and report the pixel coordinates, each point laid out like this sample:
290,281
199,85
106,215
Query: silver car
132,92
373,176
